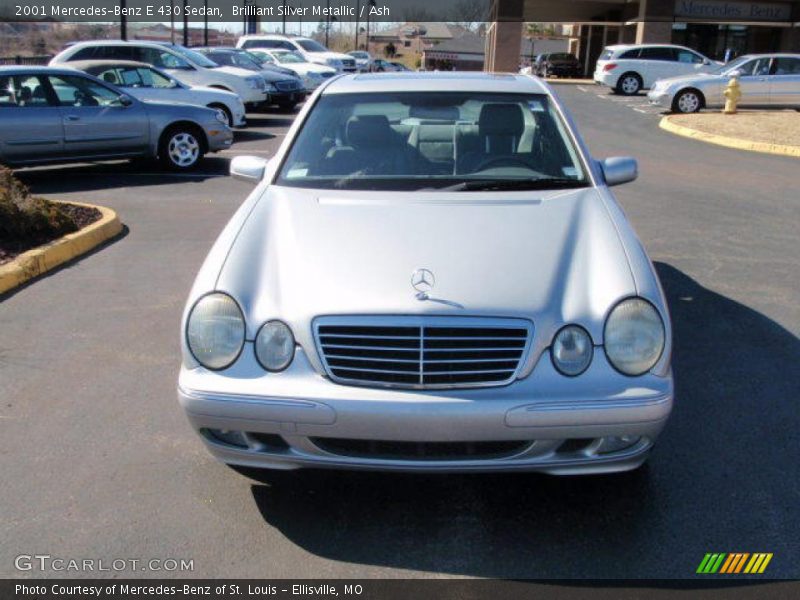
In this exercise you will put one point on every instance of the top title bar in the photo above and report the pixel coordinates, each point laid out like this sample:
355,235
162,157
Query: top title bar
267,11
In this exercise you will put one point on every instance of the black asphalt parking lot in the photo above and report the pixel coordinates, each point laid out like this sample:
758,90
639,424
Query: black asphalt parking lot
99,461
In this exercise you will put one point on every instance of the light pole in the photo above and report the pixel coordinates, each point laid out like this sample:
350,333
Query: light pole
123,21
172,21
205,24
185,24
358,7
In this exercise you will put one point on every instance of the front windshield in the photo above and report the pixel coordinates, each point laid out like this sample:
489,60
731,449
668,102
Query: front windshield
195,57
359,54
311,46
733,65
289,57
426,140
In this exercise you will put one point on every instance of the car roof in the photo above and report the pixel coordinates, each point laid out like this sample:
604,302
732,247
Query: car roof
121,43
88,64
35,70
436,82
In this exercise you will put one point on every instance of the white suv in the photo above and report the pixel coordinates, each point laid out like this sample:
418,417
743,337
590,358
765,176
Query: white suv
311,50
628,69
187,66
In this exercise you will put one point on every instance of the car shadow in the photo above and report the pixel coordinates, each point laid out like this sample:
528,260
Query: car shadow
81,177
723,478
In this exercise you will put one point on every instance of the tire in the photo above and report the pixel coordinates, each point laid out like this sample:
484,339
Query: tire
629,84
224,110
181,148
687,101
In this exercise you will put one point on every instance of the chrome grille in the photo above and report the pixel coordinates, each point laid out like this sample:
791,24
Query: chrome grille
422,352
287,85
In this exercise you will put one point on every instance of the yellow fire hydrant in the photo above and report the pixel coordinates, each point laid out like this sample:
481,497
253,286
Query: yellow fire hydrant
732,94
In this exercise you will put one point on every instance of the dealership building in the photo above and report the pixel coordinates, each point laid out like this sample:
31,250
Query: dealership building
717,28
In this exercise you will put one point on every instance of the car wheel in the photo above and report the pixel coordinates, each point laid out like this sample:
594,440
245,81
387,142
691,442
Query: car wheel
629,84
687,101
181,148
222,109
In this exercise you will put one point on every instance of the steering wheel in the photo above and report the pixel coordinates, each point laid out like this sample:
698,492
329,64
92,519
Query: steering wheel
507,161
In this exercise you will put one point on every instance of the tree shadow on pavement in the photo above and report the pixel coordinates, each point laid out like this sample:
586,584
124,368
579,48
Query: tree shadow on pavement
723,478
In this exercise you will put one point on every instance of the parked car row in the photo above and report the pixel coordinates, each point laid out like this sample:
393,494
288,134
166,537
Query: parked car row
682,80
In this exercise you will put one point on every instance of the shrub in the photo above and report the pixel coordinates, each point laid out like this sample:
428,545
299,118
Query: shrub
26,218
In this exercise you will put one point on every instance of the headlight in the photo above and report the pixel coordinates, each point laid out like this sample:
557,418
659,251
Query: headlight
572,350
335,63
271,88
255,83
314,75
634,336
274,346
221,116
215,331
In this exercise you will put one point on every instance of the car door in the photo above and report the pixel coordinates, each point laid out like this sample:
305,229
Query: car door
30,120
96,121
755,82
784,81
656,63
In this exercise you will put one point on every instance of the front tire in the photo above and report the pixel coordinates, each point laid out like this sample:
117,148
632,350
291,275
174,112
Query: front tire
180,148
687,102
629,84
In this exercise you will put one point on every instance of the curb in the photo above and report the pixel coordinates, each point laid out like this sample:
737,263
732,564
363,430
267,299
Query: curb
39,260
720,140
567,81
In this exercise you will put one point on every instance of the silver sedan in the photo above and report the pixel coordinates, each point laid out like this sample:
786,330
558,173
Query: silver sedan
431,275
766,80
52,115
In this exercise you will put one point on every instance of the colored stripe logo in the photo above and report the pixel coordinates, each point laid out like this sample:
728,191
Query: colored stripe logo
734,563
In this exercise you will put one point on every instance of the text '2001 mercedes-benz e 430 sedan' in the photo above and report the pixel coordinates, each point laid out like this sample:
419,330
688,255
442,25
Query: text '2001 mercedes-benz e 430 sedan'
431,275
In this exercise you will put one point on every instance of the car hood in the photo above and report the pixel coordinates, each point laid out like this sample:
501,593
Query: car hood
239,72
552,257
694,78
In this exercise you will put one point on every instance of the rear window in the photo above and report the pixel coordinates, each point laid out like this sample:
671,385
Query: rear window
631,53
262,44
657,54
562,56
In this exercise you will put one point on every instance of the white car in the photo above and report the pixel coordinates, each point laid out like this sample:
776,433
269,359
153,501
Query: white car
312,74
311,50
187,66
628,69
363,60
765,80
145,82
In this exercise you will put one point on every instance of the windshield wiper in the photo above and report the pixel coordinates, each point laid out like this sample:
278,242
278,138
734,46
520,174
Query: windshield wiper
543,183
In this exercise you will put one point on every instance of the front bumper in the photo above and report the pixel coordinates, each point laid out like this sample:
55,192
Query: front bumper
560,423
219,137
660,98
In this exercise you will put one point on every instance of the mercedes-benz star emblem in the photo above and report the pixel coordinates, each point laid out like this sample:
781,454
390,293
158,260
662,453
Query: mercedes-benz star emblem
423,281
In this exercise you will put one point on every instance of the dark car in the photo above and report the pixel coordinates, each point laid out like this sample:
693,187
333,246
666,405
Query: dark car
560,64
285,88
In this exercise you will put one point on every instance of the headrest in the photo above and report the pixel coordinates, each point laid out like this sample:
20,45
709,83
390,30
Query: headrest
434,113
501,119
109,77
369,130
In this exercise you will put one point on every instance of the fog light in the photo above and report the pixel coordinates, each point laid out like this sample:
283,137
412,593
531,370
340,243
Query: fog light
226,436
617,443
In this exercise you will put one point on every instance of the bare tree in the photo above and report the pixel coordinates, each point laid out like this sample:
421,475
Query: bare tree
469,14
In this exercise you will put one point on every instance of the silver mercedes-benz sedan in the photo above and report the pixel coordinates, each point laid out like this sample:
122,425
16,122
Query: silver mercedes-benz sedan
766,81
431,275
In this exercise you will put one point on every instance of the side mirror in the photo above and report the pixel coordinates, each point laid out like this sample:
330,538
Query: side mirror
125,100
248,168
619,169
736,73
